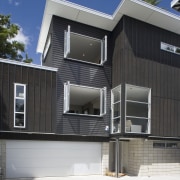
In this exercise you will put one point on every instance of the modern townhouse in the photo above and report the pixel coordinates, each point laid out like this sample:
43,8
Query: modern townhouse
106,99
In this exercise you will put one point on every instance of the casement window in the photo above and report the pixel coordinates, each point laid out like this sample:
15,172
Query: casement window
84,100
47,45
170,48
19,105
138,109
84,48
116,110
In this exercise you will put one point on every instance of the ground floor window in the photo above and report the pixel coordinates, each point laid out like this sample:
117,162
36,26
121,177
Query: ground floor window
84,100
167,145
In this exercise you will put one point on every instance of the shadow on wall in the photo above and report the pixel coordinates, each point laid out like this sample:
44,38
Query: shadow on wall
3,115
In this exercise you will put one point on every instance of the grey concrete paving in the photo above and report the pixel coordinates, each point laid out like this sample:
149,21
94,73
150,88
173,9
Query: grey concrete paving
111,178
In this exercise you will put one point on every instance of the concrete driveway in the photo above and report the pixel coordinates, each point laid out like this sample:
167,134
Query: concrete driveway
111,178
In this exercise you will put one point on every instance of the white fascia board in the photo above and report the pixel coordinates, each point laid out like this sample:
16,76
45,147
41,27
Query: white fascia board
7,61
73,12
137,9
174,2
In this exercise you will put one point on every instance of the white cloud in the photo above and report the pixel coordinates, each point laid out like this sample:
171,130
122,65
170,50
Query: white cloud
16,3
21,37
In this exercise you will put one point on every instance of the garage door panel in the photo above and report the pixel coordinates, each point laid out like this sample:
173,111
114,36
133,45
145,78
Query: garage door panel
43,163
23,153
41,158
38,172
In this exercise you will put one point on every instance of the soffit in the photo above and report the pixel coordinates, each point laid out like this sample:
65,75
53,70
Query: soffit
133,8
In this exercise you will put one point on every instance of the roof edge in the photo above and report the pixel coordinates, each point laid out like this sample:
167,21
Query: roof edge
8,61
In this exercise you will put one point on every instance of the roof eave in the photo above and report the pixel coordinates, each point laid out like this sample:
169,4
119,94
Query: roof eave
133,8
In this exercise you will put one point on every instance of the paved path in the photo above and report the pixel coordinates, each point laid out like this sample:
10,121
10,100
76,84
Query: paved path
111,178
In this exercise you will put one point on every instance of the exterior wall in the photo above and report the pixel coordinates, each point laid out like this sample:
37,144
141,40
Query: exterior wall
138,60
2,159
105,157
81,74
41,95
144,160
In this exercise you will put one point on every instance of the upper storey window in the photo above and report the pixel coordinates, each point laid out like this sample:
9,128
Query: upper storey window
84,100
85,48
19,105
138,109
170,48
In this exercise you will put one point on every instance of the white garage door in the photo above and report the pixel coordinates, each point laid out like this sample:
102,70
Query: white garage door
52,158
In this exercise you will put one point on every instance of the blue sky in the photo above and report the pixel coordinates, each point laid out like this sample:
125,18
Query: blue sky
28,15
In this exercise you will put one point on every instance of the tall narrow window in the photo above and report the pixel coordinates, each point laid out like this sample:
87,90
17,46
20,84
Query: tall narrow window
19,105
84,100
84,48
138,109
116,110
47,45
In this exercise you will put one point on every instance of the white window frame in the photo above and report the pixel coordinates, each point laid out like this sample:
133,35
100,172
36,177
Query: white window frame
112,110
47,45
67,49
103,99
21,98
172,49
149,109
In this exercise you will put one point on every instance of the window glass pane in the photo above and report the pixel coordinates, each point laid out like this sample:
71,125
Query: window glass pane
116,94
19,119
85,48
136,109
116,125
84,100
167,47
158,145
48,43
19,91
134,93
178,50
116,110
172,145
136,125
19,105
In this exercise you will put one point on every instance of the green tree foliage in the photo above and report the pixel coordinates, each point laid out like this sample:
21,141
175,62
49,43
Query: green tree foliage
9,48
153,2
27,60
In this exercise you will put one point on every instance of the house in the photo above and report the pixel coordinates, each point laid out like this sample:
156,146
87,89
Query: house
175,4
107,97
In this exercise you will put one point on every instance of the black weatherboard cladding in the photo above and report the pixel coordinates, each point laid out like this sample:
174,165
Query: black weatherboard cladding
138,60
40,98
81,74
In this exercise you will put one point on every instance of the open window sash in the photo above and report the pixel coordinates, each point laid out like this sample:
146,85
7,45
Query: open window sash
66,96
104,50
67,42
103,93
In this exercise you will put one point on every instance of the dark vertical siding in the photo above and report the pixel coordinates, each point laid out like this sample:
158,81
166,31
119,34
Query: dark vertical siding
40,88
145,64
81,74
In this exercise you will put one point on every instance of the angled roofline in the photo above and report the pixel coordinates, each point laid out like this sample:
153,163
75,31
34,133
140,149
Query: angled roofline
175,4
7,61
134,8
